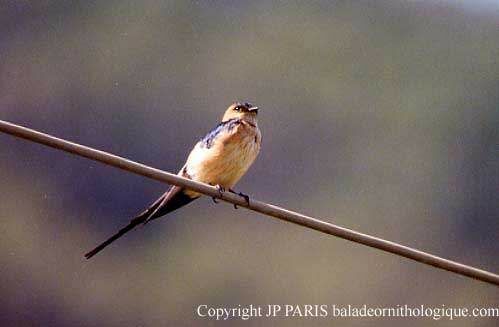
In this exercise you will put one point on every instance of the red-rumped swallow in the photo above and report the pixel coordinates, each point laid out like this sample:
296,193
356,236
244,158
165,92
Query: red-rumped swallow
220,158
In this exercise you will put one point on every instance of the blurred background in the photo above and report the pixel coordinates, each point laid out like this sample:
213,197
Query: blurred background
381,116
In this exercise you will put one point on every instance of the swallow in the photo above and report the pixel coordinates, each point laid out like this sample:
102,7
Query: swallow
220,159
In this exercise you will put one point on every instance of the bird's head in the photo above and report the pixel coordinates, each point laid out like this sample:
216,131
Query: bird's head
241,110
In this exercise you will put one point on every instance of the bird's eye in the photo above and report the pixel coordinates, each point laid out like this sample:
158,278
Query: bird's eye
238,108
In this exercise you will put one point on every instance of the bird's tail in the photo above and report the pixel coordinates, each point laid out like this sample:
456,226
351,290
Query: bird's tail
142,218
171,200
134,222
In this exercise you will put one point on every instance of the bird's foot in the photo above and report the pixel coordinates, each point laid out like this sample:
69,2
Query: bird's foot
221,190
246,197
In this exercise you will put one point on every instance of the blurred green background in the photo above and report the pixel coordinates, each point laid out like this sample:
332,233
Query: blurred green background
381,116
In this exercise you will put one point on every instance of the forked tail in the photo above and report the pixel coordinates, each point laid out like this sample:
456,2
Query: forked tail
171,200
134,222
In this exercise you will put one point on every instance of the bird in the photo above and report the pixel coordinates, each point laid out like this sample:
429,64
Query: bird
220,159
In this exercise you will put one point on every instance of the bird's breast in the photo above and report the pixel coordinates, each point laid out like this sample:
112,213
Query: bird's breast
229,156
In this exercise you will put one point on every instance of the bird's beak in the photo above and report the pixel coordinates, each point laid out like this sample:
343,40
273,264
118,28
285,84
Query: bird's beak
253,109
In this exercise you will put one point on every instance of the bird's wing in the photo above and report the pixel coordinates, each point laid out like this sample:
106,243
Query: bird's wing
173,199
224,128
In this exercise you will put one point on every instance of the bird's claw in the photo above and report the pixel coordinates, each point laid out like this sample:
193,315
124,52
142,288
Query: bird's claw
246,197
221,190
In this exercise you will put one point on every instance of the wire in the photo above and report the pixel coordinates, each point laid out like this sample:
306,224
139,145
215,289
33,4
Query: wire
258,206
